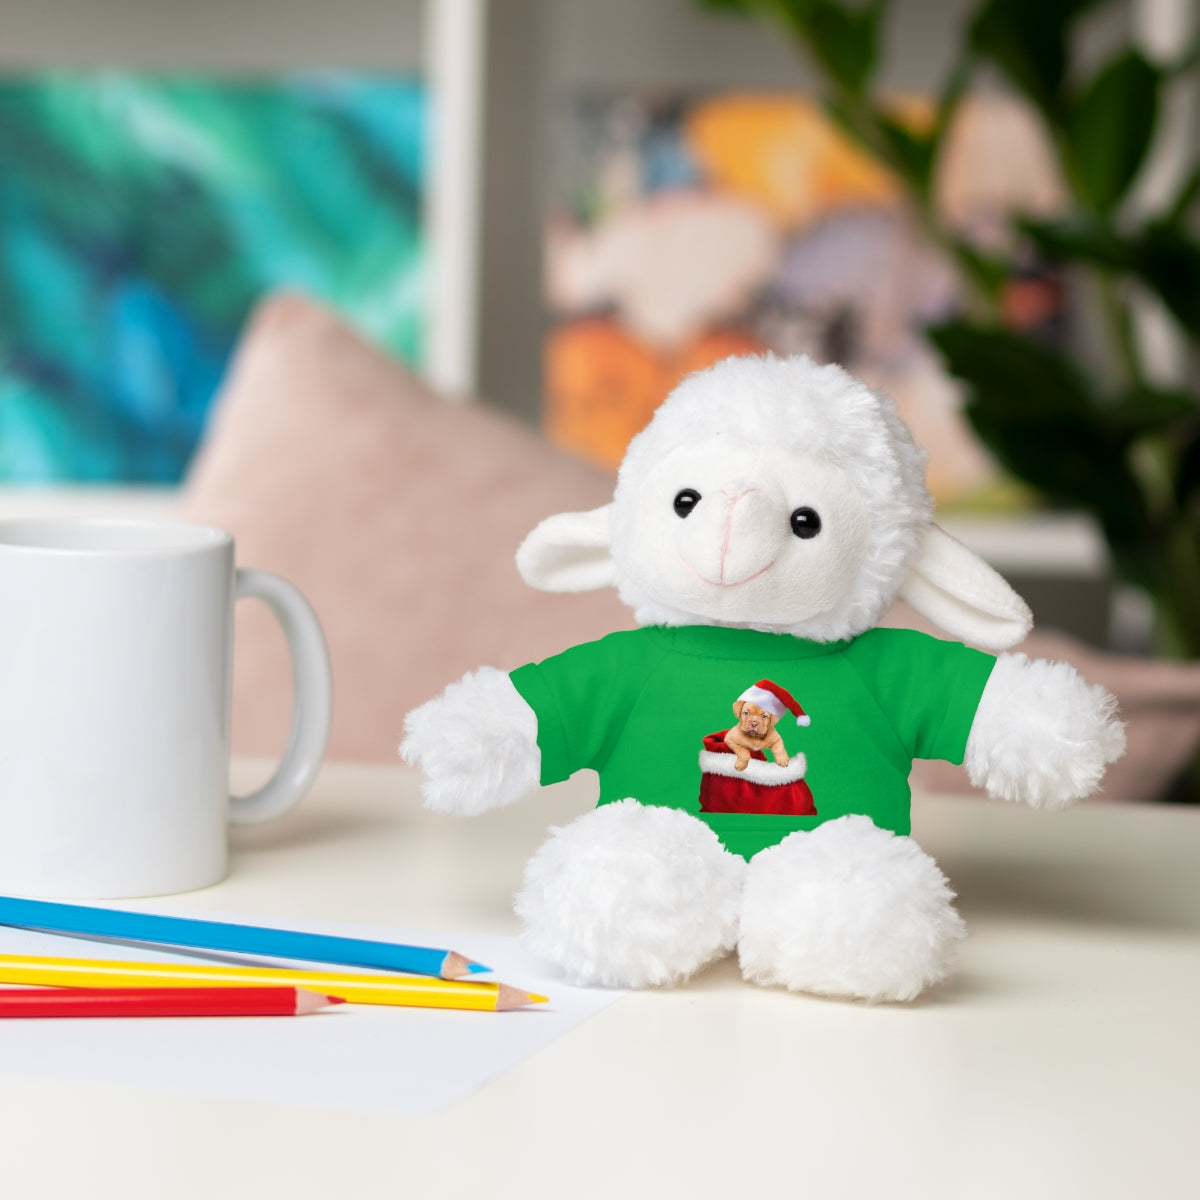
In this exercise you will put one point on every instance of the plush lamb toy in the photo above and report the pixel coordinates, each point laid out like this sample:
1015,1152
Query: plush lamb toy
763,523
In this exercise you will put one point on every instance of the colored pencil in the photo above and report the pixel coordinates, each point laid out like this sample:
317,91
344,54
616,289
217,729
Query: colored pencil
408,990
85,921
162,1002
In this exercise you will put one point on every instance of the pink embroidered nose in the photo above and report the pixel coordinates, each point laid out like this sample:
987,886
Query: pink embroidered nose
732,537
741,554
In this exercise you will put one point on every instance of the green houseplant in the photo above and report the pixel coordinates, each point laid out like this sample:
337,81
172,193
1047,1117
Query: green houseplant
1101,436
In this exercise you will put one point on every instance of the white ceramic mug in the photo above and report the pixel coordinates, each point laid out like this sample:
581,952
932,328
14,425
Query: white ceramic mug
116,650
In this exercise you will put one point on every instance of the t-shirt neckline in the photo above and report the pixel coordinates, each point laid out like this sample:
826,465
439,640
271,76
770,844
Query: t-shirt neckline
719,641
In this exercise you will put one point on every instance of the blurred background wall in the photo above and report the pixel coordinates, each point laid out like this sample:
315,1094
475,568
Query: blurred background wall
526,233
538,56
558,207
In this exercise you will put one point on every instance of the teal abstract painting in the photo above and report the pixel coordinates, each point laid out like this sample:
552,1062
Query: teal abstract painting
142,217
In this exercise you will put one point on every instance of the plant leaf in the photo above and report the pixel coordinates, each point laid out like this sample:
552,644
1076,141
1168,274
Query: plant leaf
743,7
1110,128
912,154
1023,377
1149,409
1067,461
1185,199
1039,415
1027,40
842,38
1164,256
1084,237
1187,478
1169,261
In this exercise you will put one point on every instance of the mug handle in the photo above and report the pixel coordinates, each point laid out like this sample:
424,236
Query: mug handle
313,703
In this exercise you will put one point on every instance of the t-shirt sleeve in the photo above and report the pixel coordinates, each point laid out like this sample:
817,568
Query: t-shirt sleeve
581,698
928,689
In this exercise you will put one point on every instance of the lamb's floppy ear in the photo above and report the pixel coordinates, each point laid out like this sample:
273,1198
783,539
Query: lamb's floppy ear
569,552
961,594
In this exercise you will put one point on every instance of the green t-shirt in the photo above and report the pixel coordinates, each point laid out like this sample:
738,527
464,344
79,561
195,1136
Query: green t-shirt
636,706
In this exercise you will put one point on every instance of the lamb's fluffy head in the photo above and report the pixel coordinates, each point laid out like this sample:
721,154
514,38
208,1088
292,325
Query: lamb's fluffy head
775,494
759,439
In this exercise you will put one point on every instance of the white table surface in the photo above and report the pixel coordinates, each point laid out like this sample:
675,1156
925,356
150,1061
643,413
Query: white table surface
1063,1061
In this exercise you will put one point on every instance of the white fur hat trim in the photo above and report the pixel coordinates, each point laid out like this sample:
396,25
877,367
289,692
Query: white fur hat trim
775,699
763,699
769,774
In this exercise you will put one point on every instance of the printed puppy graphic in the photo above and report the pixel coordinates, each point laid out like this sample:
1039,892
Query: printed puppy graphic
757,710
755,730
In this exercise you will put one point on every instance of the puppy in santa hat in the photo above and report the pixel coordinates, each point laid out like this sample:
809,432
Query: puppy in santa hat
757,710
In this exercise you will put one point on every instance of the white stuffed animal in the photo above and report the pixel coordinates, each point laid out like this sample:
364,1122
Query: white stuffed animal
762,524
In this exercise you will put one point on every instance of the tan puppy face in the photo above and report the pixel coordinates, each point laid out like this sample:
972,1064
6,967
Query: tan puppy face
754,722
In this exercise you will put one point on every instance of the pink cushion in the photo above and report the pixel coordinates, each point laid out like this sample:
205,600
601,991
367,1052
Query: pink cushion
397,513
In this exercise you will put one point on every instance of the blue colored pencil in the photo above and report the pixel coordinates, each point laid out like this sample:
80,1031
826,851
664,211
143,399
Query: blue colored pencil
83,921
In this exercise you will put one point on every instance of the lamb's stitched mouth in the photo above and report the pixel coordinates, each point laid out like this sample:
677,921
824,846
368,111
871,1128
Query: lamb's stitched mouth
720,583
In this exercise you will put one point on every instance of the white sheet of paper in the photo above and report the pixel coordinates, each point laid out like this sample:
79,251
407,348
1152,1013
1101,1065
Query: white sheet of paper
351,1057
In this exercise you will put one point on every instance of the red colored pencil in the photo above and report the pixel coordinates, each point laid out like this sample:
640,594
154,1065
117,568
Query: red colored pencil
162,1002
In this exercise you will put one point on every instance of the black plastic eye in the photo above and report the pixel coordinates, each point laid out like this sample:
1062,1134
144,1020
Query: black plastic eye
805,523
686,501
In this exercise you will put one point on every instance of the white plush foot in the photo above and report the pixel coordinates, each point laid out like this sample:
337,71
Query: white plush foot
631,895
848,910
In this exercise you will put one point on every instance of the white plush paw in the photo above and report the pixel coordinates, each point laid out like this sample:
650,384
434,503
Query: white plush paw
631,895
848,910
476,745
1042,734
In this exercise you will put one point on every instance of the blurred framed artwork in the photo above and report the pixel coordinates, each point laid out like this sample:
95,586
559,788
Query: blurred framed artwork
142,216
684,229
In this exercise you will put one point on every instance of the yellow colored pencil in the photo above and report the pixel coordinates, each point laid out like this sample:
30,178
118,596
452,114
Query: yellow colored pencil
416,991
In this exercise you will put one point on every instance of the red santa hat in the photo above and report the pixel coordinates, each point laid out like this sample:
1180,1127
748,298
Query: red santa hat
775,700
